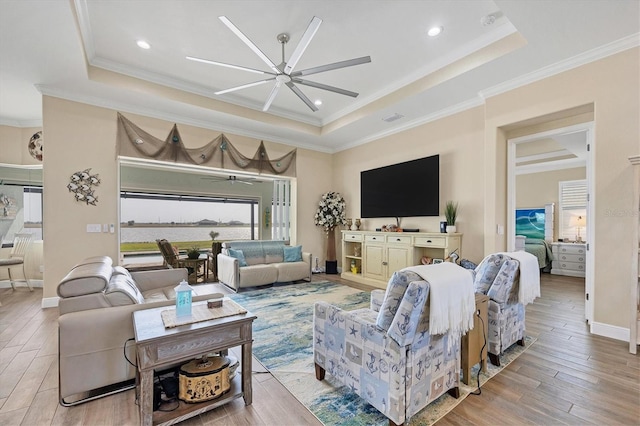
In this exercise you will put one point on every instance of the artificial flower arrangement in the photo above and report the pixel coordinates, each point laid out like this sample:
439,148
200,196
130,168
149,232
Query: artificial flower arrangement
331,211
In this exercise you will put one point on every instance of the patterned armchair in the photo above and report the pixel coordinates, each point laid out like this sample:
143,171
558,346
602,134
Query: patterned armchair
497,276
385,353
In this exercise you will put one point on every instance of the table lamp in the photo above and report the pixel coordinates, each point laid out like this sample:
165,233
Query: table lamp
579,222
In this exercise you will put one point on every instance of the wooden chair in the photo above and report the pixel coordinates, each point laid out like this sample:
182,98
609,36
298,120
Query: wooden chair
21,245
171,258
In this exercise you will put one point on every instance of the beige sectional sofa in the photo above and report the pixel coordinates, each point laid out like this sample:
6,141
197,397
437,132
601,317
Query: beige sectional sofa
259,262
95,323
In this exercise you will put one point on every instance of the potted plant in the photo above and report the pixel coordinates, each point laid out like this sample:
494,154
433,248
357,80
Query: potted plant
331,213
193,252
451,213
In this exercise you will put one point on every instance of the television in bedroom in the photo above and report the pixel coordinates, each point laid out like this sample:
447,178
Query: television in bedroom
405,189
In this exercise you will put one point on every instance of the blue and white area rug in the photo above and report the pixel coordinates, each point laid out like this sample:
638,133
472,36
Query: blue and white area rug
283,334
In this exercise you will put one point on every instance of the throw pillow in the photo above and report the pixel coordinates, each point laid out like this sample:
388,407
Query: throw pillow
502,285
293,254
486,272
238,254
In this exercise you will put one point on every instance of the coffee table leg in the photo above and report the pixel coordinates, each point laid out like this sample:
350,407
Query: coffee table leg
146,398
246,373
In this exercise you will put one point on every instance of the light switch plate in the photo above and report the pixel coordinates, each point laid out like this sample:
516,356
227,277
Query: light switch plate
94,227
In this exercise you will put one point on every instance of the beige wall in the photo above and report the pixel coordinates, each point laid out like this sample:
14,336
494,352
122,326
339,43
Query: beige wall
80,136
458,140
537,189
14,145
612,86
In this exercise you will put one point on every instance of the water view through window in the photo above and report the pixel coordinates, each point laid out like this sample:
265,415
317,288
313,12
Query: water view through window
185,221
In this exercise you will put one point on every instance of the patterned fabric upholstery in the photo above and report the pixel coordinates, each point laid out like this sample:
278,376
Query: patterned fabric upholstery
506,315
487,272
395,291
398,372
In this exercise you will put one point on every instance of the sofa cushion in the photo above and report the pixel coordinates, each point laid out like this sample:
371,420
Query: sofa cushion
502,285
292,254
159,294
255,275
398,284
292,271
238,254
252,250
122,290
487,271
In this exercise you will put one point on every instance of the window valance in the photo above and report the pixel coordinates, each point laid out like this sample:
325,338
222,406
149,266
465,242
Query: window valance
132,141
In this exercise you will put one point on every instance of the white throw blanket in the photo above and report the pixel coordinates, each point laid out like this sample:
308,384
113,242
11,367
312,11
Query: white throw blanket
452,300
529,287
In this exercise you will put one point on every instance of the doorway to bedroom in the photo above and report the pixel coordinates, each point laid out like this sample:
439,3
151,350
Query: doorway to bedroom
549,206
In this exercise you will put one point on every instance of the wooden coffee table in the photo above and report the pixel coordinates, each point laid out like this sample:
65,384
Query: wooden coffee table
159,348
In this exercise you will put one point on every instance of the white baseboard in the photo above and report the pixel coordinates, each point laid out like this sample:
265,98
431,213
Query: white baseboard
34,283
50,302
611,331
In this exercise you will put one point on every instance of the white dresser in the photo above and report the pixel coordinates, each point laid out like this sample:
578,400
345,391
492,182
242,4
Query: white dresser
569,259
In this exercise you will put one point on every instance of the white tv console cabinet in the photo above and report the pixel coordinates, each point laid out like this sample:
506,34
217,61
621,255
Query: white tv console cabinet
377,255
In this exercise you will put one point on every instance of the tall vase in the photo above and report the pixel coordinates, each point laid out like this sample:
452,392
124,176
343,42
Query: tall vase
331,263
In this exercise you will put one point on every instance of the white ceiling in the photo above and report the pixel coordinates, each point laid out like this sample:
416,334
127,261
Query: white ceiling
85,50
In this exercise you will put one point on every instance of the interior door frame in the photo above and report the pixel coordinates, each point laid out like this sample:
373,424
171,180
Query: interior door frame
588,128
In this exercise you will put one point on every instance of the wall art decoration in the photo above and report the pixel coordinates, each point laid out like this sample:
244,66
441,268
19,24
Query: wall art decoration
36,146
82,184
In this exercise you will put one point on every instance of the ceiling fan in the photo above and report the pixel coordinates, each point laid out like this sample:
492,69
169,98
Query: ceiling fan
233,179
284,73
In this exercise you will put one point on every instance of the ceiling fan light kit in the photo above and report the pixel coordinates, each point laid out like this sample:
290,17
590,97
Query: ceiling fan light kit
284,72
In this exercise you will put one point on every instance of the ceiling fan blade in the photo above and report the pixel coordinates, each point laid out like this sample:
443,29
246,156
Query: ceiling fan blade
272,95
244,86
222,64
334,66
326,87
249,43
303,44
302,96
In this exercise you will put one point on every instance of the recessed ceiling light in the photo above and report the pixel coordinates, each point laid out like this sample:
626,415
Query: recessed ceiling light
143,44
434,31
318,102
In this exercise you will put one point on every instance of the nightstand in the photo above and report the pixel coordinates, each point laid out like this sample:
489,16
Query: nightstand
569,259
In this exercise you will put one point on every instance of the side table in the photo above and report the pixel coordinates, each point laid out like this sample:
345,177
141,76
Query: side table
158,347
473,341
196,264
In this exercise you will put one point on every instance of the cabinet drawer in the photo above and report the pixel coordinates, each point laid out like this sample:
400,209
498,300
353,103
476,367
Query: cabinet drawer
579,258
352,237
399,239
431,241
374,238
569,266
571,249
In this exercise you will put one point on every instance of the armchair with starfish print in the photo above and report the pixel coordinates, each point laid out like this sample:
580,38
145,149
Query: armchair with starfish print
385,353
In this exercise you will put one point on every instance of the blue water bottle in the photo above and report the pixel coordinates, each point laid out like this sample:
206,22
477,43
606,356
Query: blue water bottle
183,299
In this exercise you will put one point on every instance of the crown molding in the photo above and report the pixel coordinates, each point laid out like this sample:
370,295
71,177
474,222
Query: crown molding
20,123
565,65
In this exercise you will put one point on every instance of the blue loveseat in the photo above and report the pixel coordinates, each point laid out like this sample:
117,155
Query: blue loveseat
260,262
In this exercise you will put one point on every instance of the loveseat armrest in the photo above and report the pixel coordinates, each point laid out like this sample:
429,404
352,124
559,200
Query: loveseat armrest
228,271
150,280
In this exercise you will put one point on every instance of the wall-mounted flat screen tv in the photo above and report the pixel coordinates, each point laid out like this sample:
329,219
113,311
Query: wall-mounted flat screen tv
401,190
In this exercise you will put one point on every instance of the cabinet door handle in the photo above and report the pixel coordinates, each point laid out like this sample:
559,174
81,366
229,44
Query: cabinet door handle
373,238
398,239
385,263
428,241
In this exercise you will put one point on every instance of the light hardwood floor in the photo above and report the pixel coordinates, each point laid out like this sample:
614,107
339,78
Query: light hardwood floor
566,377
